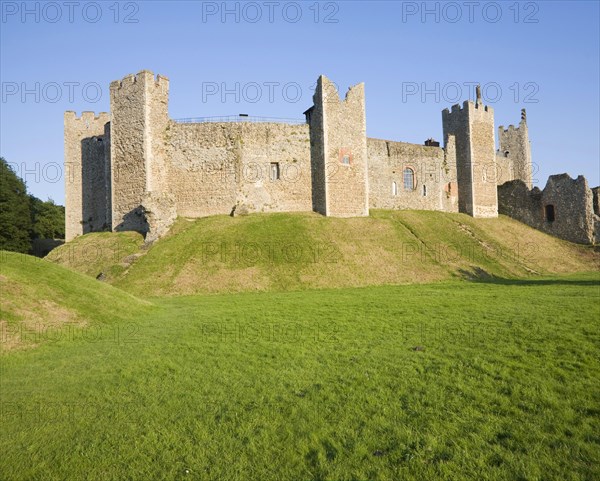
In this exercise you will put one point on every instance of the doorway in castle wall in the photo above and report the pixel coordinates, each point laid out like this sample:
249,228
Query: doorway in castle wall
549,213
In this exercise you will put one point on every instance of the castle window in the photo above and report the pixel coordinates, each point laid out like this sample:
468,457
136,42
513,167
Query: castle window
409,179
424,191
345,156
274,171
394,188
549,212
506,153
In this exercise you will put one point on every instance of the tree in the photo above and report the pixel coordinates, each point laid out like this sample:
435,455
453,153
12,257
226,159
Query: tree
48,219
15,211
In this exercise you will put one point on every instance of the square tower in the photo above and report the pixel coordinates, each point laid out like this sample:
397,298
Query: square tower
87,173
473,129
514,145
139,119
338,137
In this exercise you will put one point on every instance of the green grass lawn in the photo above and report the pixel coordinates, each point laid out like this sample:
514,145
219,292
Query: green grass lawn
316,385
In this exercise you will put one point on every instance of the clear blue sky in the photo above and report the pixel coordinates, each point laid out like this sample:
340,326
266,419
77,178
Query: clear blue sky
543,56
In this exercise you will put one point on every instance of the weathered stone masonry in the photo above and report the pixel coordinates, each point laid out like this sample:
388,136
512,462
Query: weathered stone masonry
473,128
137,169
564,208
87,173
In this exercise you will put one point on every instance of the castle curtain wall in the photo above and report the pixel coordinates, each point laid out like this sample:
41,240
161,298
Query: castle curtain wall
213,167
136,169
434,177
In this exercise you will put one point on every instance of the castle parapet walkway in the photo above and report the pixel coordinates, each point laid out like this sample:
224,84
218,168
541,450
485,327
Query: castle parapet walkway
240,118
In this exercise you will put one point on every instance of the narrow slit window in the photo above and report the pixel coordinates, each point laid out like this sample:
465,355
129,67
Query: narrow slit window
274,171
394,188
424,191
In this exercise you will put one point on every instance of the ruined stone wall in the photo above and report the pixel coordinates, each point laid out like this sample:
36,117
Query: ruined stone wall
343,151
214,167
87,173
159,212
573,208
514,146
139,105
516,200
434,177
563,209
596,200
473,127
596,209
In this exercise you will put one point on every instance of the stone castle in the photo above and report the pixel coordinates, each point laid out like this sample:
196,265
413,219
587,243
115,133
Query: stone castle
137,169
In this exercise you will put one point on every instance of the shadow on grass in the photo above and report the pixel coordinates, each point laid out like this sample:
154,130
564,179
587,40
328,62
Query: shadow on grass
479,275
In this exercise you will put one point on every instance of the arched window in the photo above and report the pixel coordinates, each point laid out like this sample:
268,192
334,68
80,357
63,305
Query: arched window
394,188
409,179
549,212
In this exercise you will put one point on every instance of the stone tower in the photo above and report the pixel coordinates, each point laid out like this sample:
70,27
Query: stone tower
514,146
473,128
87,173
139,109
338,137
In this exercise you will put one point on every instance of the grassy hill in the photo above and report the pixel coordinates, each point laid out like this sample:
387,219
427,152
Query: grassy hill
285,252
44,302
489,380
109,253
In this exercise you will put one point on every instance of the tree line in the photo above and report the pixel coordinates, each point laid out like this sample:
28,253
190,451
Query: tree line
24,217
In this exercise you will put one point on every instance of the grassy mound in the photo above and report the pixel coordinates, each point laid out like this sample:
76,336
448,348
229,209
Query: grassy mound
42,301
282,252
105,253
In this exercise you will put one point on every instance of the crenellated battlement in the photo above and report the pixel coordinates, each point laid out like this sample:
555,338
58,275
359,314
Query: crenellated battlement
520,128
145,77
87,116
467,106
455,109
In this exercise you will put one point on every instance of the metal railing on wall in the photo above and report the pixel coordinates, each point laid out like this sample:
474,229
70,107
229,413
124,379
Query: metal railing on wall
240,118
